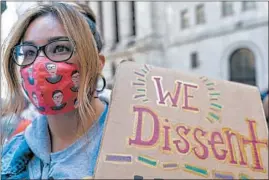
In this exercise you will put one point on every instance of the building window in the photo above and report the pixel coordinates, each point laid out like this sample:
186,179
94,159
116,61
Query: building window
248,5
242,67
3,6
184,19
227,8
116,21
200,14
100,10
133,20
194,60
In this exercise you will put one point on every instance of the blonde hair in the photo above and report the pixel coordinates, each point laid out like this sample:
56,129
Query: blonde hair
78,32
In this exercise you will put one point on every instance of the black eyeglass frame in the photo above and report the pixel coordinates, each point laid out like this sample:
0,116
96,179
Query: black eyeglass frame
39,48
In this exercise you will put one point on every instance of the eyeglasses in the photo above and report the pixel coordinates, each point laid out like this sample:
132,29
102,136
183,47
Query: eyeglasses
56,51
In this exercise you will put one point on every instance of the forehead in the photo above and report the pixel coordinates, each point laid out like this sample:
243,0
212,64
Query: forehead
42,29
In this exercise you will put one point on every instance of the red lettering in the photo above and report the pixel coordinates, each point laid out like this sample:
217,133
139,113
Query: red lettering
204,155
166,137
187,96
232,157
255,144
163,96
138,137
177,142
213,142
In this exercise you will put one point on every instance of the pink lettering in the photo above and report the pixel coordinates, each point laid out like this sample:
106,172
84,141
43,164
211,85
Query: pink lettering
187,96
177,142
255,143
204,155
166,146
138,137
229,135
162,97
213,143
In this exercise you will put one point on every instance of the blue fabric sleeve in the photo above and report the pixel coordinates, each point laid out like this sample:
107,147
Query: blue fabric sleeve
15,157
12,144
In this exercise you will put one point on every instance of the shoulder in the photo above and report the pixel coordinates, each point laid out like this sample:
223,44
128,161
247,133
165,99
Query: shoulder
15,156
12,144
9,153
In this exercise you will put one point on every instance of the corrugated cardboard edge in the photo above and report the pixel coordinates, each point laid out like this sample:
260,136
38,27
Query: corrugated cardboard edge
108,115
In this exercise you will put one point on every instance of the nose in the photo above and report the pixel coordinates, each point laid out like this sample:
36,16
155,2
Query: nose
41,56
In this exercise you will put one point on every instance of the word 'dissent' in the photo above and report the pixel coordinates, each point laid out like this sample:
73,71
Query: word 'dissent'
224,145
163,96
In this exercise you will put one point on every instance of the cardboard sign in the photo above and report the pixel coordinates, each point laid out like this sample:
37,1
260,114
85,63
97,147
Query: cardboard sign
164,124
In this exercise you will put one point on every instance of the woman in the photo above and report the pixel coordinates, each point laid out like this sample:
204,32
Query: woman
48,44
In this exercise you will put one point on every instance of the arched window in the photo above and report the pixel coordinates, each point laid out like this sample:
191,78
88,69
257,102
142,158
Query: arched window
242,67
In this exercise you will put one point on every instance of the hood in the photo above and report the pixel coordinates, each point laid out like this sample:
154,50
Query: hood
38,138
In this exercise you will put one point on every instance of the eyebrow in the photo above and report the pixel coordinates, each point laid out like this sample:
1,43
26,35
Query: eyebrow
51,39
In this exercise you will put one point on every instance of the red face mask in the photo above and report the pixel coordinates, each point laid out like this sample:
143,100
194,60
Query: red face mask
51,87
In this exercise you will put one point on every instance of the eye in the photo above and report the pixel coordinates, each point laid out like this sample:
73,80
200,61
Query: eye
61,49
29,53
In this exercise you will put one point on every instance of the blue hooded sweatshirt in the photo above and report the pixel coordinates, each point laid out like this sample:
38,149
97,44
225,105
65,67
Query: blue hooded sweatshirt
28,155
